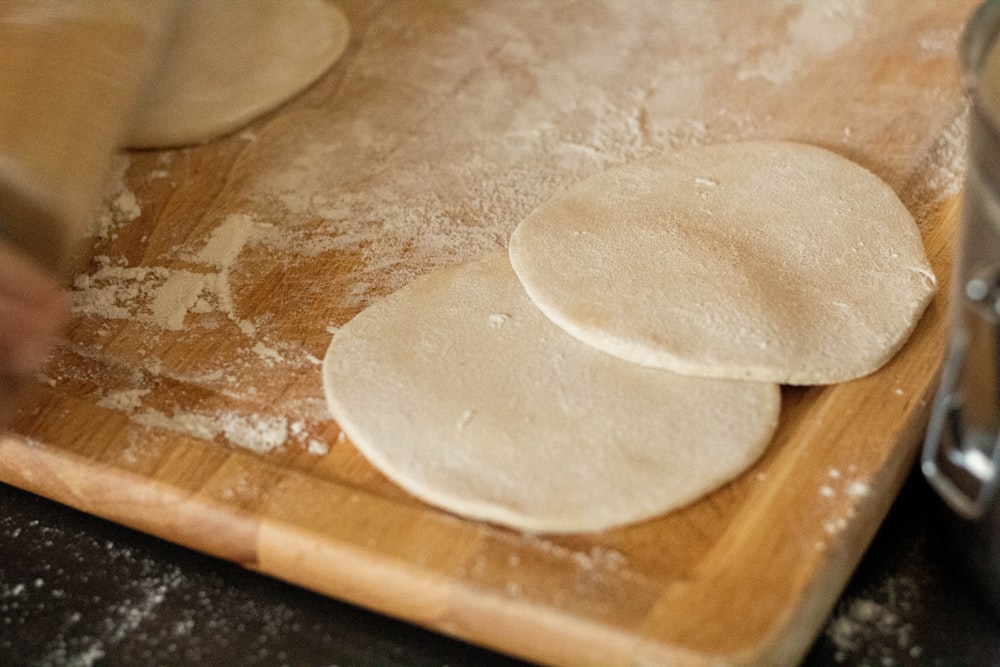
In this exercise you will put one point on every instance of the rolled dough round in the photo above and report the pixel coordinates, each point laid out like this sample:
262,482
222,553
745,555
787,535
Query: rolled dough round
461,392
771,261
229,61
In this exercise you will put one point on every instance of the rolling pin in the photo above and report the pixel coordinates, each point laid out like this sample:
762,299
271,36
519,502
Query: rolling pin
71,75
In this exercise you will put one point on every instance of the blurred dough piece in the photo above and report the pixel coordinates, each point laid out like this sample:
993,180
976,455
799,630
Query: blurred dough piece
771,261
461,392
229,61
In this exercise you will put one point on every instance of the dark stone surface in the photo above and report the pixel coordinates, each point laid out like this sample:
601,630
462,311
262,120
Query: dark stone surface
77,590
908,603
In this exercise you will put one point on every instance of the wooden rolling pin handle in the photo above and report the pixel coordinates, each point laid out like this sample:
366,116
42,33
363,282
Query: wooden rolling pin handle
71,76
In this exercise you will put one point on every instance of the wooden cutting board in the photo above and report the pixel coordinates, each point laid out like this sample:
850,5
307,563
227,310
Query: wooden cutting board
186,400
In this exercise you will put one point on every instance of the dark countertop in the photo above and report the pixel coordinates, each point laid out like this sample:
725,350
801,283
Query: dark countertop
77,590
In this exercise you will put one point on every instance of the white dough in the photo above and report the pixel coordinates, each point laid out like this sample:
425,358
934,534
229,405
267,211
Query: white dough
230,61
772,261
463,393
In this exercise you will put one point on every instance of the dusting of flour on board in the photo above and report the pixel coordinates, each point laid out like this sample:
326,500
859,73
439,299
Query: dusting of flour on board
419,160
166,298
163,295
820,29
120,205
414,192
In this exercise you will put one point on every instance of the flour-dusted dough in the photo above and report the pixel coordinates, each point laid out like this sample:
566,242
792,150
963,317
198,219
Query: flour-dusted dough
772,261
460,391
230,61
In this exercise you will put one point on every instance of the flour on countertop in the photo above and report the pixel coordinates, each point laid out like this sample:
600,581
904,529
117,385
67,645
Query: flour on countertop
118,620
873,629
142,608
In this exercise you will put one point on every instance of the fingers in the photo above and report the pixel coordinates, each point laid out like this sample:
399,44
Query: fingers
28,329
33,310
24,279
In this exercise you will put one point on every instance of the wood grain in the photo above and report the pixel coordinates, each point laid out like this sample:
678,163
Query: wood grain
442,126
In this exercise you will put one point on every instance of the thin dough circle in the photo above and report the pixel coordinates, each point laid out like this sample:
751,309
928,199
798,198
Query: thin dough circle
230,61
461,392
771,261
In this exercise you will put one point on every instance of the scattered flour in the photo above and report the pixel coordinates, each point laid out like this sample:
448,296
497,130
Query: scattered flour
940,43
840,492
227,241
137,606
120,205
268,355
87,635
874,630
127,401
423,162
596,558
820,29
164,296
318,447
205,426
944,166
255,432
258,433
156,295
179,293
857,489
161,295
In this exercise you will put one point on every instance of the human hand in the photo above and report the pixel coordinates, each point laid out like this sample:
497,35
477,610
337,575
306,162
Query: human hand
32,312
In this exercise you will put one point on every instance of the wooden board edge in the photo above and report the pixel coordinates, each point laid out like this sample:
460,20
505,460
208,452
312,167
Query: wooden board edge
156,508
686,613
786,646
277,546
275,543
447,605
